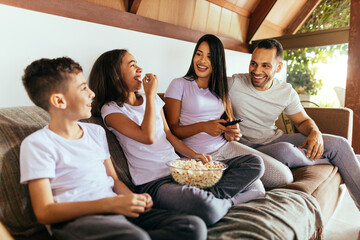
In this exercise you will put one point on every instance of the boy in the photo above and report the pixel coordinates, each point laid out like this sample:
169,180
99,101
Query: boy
72,182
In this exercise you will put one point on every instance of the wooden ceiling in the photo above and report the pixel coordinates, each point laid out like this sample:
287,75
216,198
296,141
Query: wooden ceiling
240,20
238,23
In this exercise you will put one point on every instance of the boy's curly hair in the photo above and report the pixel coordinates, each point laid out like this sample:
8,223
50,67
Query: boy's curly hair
45,76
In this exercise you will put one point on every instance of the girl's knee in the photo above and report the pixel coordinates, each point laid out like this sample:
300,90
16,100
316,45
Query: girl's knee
212,211
261,165
256,160
137,234
257,189
196,228
257,186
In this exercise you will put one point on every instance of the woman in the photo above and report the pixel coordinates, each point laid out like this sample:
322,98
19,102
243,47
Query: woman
138,122
198,104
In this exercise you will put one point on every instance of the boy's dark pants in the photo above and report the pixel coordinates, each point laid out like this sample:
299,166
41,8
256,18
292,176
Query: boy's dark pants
155,224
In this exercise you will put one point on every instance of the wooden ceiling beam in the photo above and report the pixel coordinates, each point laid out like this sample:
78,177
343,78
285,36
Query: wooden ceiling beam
91,12
313,39
301,17
133,6
232,7
352,83
258,16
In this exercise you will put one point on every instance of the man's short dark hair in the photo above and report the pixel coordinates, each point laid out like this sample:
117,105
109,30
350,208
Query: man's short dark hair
270,44
44,77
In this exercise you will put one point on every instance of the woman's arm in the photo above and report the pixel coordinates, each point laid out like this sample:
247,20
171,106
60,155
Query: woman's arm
172,110
180,146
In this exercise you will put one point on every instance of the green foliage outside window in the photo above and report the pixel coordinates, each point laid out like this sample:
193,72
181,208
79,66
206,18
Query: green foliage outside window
301,62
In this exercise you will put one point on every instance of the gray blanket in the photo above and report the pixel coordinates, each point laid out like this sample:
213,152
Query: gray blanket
281,214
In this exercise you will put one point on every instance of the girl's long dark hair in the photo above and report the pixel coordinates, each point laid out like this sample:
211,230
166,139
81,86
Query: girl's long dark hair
106,80
218,80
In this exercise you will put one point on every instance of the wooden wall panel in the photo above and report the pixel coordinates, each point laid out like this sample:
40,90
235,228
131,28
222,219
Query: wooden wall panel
284,11
168,11
225,22
352,95
149,9
238,27
268,30
213,19
200,15
186,13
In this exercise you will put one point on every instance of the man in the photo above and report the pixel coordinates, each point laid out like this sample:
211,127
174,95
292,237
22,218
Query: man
259,98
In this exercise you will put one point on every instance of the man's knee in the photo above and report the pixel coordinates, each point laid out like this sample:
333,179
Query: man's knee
284,148
332,142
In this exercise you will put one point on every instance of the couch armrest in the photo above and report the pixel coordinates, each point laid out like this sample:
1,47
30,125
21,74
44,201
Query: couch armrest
336,121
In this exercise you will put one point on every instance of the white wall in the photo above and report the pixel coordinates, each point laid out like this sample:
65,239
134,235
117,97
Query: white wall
28,35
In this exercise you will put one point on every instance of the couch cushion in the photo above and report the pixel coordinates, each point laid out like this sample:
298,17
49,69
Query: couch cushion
15,206
322,182
275,216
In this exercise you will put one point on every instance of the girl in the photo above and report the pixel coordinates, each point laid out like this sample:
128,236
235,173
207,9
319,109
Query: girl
138,121
197,104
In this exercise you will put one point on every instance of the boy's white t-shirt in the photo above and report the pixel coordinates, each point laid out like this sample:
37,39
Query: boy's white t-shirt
147,162
197,105
260,109
75,168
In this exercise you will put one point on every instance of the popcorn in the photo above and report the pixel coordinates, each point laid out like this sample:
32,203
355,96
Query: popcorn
195,173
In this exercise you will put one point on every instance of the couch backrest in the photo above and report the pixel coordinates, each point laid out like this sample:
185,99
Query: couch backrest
15,207
337,121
